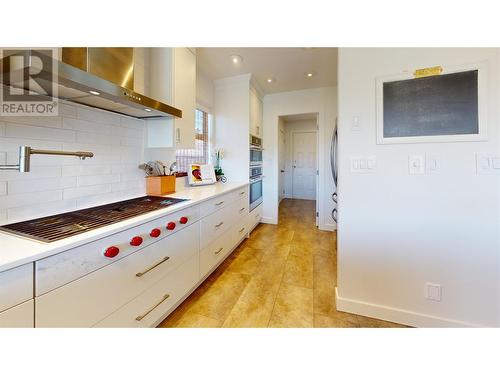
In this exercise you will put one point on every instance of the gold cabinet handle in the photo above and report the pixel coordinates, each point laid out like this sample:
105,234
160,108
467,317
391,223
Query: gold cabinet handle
139,274
218,225
241,230
218,204
218,251
140,317
242,193
242,209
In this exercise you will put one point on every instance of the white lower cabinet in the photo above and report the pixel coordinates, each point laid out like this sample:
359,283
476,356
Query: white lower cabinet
151,307
20,316
88,300
254,217
138,288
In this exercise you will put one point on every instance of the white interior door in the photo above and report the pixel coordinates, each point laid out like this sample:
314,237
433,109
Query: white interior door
304,165
281,164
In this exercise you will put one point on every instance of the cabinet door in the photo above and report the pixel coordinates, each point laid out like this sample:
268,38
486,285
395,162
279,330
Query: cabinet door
185,96
20,316
255,114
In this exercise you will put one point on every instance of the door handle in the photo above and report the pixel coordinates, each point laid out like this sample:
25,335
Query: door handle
282,171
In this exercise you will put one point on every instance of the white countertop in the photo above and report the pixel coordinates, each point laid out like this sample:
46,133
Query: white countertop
16,251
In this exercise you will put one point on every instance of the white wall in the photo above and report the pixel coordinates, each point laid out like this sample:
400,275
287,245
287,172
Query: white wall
322,101
64,183
290,128
204,92
232,125
398,231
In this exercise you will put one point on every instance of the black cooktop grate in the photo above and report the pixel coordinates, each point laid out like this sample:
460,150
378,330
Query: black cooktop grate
57,227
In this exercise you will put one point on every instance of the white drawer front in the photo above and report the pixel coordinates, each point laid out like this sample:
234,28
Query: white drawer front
86,301
148,309
60,269
239,231
255,217
20,316
217,203
214,253
216,224
16,286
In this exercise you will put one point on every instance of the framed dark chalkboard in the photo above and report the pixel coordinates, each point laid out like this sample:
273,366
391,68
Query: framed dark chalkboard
445,107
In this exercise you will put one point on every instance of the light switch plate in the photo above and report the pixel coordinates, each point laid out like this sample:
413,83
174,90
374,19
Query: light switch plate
487,163
433,292
416,164
433,163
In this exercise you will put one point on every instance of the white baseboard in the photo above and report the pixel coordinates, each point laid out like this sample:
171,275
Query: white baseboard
409,318
328,227
269,220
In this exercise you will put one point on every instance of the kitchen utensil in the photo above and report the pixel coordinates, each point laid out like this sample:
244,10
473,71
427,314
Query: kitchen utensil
173,168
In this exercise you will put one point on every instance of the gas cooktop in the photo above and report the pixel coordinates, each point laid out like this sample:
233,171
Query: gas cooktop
57,227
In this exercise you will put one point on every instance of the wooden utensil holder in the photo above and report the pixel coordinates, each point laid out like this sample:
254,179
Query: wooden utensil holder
160,185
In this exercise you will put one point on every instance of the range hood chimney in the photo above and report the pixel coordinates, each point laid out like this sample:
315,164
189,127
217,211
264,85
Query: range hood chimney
96,77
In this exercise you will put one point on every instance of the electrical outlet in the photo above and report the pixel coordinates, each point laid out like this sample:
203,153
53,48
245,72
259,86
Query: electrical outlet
416,164
433,292
433,164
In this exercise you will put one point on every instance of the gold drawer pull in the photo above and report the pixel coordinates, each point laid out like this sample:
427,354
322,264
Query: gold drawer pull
218,251
242,209
218,204
140,317
241,230
242,193
139,274
218,225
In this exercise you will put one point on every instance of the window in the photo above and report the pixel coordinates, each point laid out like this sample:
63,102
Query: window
201,152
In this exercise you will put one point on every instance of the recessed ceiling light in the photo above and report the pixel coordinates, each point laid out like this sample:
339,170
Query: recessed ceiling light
309,74
236,59
147,109
94,92
270,80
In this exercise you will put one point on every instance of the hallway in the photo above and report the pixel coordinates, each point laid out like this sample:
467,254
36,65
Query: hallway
282,276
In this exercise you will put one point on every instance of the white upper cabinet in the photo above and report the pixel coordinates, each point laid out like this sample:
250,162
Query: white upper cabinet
172,79
255,113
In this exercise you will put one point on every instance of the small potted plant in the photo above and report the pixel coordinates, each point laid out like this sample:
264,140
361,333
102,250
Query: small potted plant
219,174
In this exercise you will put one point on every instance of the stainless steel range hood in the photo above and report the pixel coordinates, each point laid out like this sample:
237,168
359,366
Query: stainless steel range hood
90,76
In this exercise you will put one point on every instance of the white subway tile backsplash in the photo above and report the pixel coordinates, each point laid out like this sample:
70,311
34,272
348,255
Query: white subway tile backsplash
127,132
36,171
86,126
95,200
18,200
126,185
37,132
98,179
58,184
98,116
42,184
40,210
67,110
98,139
132,123
85,170
85,191
43,121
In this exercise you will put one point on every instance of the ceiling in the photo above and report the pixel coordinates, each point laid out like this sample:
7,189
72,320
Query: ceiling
286,66
300,117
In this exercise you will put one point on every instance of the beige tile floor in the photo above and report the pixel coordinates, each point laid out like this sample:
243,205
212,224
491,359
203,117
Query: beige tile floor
282,276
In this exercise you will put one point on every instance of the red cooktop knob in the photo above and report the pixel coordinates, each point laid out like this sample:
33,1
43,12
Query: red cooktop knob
155,232
183,220
171,226
111,252
136,241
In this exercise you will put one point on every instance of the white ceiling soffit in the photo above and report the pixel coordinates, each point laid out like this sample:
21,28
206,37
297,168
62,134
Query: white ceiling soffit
288,67
301,117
